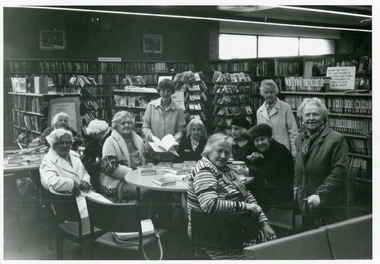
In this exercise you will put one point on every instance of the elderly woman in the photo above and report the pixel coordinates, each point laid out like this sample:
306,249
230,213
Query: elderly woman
271,163
278,115
99,131
215,189
163,116
60,120
321,167
123,151
192,146
61,169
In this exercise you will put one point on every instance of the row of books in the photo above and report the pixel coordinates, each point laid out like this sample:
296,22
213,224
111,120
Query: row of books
294,101
359,145
189,77
232,110
27,137
104,113
263,68
241,99
358,126
287,69
302,84
131,101
229,66
196,96
360,168
231,88
194,106
351,105
30,122
30,104
226,77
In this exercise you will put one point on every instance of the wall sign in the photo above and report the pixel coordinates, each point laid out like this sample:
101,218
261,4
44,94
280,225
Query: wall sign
342,78
108,59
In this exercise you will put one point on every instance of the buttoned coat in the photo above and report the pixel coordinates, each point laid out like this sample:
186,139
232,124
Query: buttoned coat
281,119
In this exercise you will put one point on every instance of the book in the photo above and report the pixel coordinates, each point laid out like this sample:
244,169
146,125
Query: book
177,177
164,164
177,171
166,144
162,181
146,170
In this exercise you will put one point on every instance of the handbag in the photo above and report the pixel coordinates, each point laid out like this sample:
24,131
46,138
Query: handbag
147,229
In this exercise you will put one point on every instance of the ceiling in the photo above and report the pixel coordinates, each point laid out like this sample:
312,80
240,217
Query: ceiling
347,17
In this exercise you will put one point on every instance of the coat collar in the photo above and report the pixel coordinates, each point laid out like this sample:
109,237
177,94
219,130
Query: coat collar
320,139
123,146
173,105
62,163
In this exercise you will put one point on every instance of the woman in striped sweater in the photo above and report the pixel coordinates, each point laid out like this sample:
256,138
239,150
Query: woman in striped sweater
214,188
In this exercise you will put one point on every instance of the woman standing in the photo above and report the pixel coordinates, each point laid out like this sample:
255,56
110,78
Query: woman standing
215,189
123,151
163,116
278,115
320,183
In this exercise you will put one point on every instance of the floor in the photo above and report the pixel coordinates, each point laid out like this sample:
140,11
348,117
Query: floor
31,243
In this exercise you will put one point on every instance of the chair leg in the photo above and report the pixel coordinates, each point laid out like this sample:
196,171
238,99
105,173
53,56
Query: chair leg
59,246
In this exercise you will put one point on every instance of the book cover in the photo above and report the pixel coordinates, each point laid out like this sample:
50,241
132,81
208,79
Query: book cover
177,177
163,181
146,170
177,171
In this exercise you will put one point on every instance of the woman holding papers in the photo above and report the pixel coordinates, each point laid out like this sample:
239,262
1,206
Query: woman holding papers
123,151
162,117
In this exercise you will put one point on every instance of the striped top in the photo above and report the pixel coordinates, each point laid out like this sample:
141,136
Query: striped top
212,191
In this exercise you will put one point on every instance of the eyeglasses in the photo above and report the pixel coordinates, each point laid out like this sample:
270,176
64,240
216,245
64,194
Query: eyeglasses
63,143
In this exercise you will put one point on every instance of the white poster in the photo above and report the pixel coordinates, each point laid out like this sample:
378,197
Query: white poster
342,78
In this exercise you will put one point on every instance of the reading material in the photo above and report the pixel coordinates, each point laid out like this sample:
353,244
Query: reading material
163,181
166,144
146,170
177,177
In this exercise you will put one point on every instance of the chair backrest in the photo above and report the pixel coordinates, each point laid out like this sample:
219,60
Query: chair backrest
223,229
351,239
114,217
308,245
64,206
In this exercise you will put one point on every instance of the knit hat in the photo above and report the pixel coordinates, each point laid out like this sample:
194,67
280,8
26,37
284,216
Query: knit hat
241,122
259,131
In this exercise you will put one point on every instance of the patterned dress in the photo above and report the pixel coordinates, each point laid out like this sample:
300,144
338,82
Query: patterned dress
211,190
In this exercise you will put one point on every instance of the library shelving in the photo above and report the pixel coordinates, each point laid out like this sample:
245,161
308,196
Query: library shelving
109,77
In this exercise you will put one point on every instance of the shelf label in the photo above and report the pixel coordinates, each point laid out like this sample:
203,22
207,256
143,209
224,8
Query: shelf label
108,59
342,78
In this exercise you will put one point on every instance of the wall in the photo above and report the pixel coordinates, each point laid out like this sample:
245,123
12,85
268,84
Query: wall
87,39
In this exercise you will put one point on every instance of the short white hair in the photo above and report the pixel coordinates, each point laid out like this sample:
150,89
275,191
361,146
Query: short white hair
56,135
97,126
55,118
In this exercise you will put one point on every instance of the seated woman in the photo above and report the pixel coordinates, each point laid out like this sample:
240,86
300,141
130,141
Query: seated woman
122,152
271,163
214,188
192,146
60,120
99,131
242,144
62,170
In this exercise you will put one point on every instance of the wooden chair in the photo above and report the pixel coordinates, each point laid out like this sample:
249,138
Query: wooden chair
222,230
68,222
119,217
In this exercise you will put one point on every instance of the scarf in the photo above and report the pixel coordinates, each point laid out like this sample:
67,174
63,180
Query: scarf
194,143
308,140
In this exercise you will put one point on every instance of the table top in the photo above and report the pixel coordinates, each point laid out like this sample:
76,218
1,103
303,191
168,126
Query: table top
135,179
18,167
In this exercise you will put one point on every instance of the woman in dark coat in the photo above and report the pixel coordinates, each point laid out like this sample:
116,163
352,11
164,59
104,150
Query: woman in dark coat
320,183
192,146
271,164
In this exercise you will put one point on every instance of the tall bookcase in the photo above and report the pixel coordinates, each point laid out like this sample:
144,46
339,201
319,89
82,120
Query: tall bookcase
350,113
109,77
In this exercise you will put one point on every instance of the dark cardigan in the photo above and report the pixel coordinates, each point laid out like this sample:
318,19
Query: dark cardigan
186,152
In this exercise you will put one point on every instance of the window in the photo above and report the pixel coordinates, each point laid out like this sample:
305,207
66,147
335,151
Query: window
316,46
277,47
237,46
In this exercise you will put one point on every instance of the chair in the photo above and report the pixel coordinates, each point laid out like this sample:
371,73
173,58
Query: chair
222,230
68,223
119,217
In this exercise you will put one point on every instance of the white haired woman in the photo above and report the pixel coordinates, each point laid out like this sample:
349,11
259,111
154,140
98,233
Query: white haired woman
215,189
122,152
60,120
320,183
61,168
278,115
192,146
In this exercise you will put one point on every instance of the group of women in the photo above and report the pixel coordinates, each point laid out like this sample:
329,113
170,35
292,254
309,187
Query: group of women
309,167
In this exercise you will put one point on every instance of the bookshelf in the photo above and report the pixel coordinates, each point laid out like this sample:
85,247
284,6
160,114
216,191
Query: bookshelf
109,77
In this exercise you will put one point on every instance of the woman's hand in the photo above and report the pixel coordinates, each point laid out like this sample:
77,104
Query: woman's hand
36,140
313,200
242,170
85,186
255,156
76,189
256,209
268,232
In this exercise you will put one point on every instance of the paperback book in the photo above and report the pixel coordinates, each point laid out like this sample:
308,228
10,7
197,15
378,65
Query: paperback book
163,181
